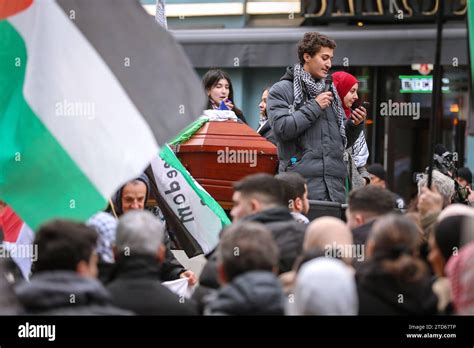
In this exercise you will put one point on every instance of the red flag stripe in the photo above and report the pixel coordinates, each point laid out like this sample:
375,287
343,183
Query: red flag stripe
11,225
10,7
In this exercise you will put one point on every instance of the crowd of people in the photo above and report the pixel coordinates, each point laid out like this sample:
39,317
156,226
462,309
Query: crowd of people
270,261
384,258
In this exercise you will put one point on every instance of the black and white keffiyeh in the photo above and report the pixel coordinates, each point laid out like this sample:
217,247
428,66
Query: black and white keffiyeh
303,80
360,151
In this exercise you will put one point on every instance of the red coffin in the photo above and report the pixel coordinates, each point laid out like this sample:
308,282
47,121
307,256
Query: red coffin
223,152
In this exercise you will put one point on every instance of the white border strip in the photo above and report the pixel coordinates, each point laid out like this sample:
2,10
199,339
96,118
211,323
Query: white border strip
227,9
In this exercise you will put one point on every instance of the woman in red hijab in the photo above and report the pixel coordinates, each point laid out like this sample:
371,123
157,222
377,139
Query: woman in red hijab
347,87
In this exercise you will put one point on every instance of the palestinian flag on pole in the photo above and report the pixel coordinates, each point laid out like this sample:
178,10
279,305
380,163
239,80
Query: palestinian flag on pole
88,89
194,216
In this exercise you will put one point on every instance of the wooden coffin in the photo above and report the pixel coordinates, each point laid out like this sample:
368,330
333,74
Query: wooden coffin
223,152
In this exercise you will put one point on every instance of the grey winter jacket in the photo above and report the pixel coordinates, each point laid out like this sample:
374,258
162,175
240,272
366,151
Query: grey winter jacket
312,136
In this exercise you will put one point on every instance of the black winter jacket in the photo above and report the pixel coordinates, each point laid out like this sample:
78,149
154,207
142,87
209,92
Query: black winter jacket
287,233
65,293
136,286
251,293
380,293
266,131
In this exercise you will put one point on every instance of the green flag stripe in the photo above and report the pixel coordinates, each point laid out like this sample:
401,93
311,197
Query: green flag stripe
168,155
37,177
189,131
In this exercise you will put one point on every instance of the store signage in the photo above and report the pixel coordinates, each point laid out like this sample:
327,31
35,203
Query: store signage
381,10
418,84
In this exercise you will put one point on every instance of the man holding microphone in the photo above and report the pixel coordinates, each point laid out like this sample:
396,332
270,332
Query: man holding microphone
308,121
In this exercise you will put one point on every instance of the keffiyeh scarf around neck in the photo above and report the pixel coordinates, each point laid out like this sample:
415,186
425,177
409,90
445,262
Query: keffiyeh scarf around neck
303,80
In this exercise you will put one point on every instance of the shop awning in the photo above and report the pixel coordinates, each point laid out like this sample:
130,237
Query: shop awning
362,46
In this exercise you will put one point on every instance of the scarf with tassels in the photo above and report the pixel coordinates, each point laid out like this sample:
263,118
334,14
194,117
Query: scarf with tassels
303,80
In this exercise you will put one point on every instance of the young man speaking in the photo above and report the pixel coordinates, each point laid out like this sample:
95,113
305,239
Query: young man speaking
308,121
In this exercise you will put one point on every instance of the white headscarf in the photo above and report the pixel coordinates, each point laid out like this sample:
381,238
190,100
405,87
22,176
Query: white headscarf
325,286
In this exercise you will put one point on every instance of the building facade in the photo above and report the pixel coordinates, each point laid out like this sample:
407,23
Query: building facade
388,45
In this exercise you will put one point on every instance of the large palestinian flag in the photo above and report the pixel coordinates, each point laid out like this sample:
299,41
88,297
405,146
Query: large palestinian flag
88,91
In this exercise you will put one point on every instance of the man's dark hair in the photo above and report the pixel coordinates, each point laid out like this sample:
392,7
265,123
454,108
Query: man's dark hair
293,186
311,43
247,246
466,174
372,199
266,186
62,245
448,234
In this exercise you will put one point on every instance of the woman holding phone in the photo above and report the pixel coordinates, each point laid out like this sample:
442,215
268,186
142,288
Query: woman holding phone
347,87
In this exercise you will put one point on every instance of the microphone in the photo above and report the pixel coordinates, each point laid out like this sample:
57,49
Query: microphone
222,106
328,83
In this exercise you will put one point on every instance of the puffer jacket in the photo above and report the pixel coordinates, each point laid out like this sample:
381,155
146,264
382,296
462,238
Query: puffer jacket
312,136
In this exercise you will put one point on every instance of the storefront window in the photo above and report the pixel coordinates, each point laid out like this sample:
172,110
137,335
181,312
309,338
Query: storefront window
404,110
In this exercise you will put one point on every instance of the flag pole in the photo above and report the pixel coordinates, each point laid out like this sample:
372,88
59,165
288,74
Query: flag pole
160,15
436,110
